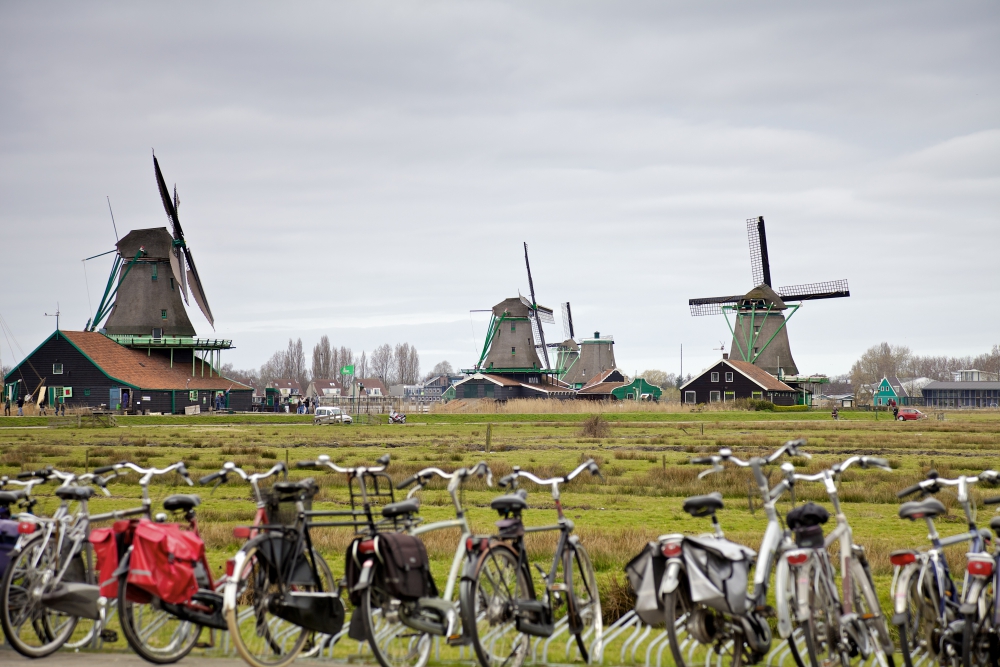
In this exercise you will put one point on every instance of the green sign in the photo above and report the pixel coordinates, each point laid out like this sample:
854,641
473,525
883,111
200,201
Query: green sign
347,370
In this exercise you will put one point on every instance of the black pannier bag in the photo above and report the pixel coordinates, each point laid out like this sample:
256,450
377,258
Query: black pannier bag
406,569
806,522
352,571
718,571
645,575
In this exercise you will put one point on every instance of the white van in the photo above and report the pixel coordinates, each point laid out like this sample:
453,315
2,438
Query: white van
331,415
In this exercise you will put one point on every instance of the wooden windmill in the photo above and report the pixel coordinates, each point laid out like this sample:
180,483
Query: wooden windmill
759,332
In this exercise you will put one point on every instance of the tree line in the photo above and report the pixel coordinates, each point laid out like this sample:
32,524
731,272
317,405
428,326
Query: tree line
392,364
885,360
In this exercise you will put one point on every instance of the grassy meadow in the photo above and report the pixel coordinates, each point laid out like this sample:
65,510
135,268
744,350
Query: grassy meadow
644,457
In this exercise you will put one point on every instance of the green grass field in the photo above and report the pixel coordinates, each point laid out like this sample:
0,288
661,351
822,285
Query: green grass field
644,460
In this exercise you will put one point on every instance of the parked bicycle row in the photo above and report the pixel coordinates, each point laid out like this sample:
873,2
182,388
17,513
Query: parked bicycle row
716,601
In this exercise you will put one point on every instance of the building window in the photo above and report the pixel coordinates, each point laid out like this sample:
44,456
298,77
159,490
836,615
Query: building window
730,395
729,377
512,351
163,314
57,369
86,392
756,395
715,378
714,397
689,397
513,326
154,273
171,284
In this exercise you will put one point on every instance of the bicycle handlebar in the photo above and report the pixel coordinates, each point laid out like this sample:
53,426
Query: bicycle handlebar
149,473
725,454
934,483
511,479
462,474
324,460
230,467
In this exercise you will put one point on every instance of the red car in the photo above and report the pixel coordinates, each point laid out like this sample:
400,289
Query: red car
910,414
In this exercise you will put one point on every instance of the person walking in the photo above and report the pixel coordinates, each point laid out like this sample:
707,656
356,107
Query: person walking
20,406
6,406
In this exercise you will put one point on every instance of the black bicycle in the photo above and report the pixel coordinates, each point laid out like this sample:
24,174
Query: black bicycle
280,591
500,607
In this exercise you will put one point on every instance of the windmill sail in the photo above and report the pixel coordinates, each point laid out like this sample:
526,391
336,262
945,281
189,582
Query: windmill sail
831,289
567,320
760,266
197,291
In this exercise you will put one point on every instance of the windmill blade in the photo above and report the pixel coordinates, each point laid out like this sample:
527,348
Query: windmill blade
168,203
832,289
197,291
177,268
531,284
539,337
545,315
567,319
712,305
760,266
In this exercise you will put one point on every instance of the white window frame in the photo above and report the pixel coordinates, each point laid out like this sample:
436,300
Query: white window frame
690,397
757,395
729,376
715,396
57,369
714,377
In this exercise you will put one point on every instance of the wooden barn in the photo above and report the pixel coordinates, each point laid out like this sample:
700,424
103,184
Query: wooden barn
730,379
89,369
508,386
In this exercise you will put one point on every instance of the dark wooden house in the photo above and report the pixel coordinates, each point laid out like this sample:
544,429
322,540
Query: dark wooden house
89,369
508,386
730,379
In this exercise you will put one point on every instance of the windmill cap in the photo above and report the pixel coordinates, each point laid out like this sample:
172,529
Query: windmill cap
764,293
156,241
514,307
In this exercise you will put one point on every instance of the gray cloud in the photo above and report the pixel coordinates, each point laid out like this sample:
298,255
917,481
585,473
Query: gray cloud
368,170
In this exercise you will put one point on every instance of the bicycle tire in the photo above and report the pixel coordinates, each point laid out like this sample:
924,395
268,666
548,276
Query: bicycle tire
820,632
704,653
147,628
392,643
917,629
261,639
583,601
487,602
16,608
866,605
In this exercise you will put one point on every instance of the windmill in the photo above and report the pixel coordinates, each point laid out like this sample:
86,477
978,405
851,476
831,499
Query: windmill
142,297
760,336
515,334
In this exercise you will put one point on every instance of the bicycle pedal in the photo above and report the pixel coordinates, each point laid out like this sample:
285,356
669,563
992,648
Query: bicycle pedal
459,640
867,617
109,636
766,610
558,588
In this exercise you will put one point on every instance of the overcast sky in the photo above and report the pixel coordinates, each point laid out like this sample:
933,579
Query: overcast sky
369,170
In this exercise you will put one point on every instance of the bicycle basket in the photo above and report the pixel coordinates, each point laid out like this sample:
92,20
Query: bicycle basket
280,505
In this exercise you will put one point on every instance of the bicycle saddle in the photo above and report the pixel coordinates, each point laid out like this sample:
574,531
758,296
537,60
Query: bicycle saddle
403,507
919,509
994,524
809,514
181,501
510,503
699,506
74,492
10,497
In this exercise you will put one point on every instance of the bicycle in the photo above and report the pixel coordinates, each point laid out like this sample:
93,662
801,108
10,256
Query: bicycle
703,621
399,630
836,628
158,630
501,606
50,582
279,590
927,604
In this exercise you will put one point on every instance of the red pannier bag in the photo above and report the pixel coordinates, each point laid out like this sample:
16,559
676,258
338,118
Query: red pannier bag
163,558
106,551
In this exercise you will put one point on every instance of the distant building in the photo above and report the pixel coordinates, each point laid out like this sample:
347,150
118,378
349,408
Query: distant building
890,389
601,385
372,387
508,386
323,388
289,390
730,379
971,394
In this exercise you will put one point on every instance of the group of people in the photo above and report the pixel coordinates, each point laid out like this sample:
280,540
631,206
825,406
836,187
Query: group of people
42,407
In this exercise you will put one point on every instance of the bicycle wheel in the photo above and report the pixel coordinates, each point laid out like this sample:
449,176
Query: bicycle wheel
392,643
866,606
821,631
32,629
583,602
488,602
156,635
261,638
700,635
919,634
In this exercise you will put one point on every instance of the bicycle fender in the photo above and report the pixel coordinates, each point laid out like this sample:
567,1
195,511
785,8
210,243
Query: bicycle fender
671,577
229,590
803,587
899,594
781,579
365,577
970,605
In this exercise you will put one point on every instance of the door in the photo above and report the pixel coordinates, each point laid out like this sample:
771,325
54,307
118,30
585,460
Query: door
115,398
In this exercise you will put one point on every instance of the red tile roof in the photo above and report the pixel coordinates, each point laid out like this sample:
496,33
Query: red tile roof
134,367
759,375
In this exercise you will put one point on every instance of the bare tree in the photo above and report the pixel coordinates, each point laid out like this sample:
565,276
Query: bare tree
381,364
273,368
440,368
361,366
658,378
345,357
295,363
412,367
249,376
323,359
